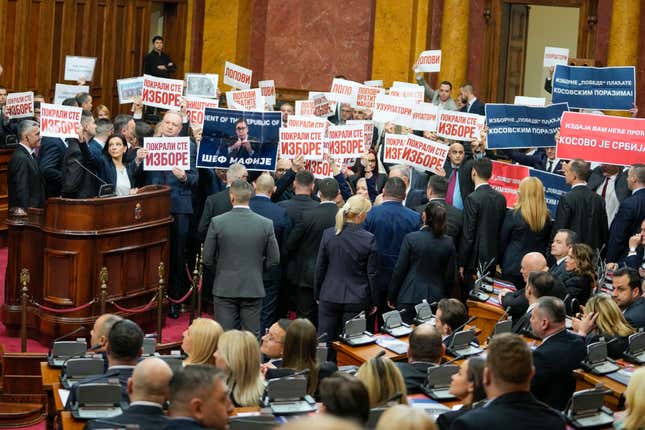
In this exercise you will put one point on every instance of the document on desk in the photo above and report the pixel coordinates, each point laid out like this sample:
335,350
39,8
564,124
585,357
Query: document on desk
393,344
64,395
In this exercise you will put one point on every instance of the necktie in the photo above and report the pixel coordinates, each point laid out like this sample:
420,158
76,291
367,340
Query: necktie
549,167
451,185
604,187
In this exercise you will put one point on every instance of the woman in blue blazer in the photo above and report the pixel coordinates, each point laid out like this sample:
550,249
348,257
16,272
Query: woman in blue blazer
112,169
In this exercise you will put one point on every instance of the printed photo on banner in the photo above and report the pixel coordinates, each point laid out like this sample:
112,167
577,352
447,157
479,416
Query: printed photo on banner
602,138
428,61
64,91
554,56
424,154
346,140
60,121
79,68
166,153
322,107
424,117
161,92
237,76
394,146
129,88
245,99
195,109
460,125
611,88
201,85
305,108
268,91
296,141
313,95
236,136
396,110
516,126
19,105
320,169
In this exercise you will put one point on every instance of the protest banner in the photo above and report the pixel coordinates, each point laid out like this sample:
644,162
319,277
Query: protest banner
374,83
64,91
20,105
245,99
166,153
602,139
307,122
529,101
424,154
346,140
161,92
268,91
516,126
320,169
428,61
394,146
553,56
396,110
424,117
344,91
60,121
412,92
611,88
460,125
368,132
253,141
195,109
202,85
321,106
313,95
305,107
129,88
366,96
237,76
79,68
555,186
308,142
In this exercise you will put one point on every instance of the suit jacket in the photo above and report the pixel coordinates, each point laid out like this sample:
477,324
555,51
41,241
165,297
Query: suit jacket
415,198
484,211
560,270
466,185
517,239
78,183
477,107
511,411
96,150
554,361
216,204
296,204
346,267
121,373
304,242
626,223
107,171
238,246
25,183
583,211
425,269
578,287
537,160
454,219
414,374
555,167
281,223
50,160
522,325
635,313
147,417
182,423
519,304
596,178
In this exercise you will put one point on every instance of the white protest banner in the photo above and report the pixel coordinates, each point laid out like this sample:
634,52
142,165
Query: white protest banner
305,107
394,146
344,91
424,154
320,169
268,91
553,56
308,142
368,132
321,106
64,91
428,61
400,84
202,85
165,153
396,110
415,92
195,109
374,83
307,122
161,92
366,96
60,121
424,117
530,101
79,68
237,76
332,103
460,125
129,88
20,105
245,100
346,140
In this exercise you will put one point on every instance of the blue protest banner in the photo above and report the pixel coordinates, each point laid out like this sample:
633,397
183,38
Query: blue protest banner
555,186
611,88
235,136
516,126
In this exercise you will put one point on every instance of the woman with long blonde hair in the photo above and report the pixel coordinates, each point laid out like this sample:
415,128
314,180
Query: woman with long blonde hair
383,381
200,341
634,418
526,228
238,354
345,276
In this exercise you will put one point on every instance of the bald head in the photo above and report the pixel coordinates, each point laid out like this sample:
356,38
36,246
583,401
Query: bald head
425,344
150,381
264,184
101,329
533,262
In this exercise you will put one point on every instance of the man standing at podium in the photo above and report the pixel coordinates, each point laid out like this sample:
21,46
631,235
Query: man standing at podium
26,186
181,185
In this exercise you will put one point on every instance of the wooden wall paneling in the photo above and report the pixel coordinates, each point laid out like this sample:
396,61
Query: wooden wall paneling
61,277
175,24
10,35
44,62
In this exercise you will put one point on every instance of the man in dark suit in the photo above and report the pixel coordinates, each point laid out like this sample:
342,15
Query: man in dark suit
451,315
559,354
79,166
413,197
582,210
261,204
507,381
303,244
242,146
425,350
553,164
471,103
484,212
25,183
104,129
458,173
199,399
50,161
148,390
628,295
436,192
631,213
239,245
609,182
539,284
560,247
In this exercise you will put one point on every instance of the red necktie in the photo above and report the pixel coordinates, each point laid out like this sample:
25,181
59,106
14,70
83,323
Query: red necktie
451,185
604,187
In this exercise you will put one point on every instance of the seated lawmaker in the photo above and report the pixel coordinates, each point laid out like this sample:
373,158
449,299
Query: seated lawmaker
634,418
468,386
200,340
383,381
628,295
345,396
580,266
425,351
113,170
272,346
99,335
405,417
634,256
539,284
451,314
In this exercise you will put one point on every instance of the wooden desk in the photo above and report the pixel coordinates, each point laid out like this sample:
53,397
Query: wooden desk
356,355
487,316
51,382
586,380
69,422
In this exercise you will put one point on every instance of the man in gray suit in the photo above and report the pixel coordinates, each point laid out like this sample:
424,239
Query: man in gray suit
238,245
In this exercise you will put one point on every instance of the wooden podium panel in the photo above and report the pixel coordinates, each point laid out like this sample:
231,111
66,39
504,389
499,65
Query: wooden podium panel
66,245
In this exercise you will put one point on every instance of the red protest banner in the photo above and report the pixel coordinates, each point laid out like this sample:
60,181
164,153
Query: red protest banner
602,139
20,105
424,154
308,142
306,122
195,109
506,179
60,121
268,91
368,132
320,169
460,125
394,146
245,100
162,93
165,153
346,140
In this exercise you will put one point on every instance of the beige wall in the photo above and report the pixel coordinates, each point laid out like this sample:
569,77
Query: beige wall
548,26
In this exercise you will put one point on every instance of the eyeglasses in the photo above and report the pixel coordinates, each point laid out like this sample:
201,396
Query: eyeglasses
240,128
270,337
